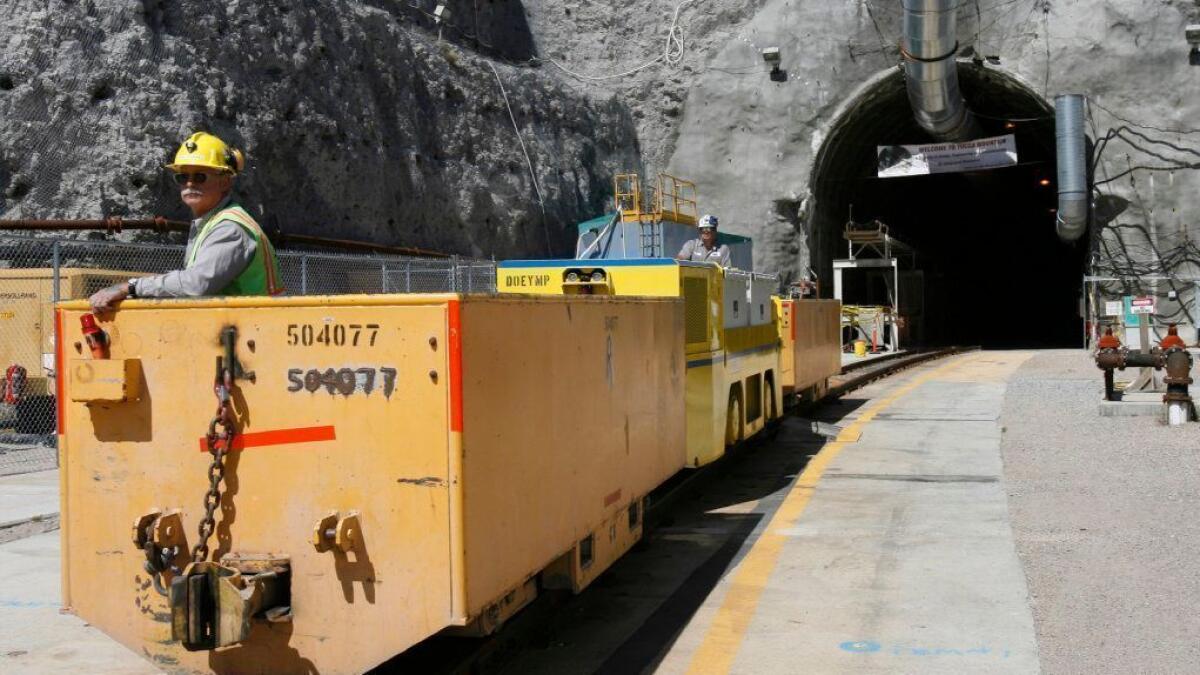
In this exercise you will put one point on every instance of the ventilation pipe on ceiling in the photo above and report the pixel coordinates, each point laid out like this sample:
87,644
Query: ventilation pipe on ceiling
931,74
1072,167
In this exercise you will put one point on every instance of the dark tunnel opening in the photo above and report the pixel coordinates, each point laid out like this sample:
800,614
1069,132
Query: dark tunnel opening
994,272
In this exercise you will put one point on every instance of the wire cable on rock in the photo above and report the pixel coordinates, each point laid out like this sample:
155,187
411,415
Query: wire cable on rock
1133,252
1180,131
528,162
672,55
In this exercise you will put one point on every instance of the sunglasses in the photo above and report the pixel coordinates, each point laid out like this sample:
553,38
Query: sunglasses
197,178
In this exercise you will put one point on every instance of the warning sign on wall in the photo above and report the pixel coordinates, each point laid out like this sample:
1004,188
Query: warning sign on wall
1142,305
921,160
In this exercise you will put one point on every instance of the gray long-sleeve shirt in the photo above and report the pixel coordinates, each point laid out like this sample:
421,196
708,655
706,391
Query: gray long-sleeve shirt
224,254
694,250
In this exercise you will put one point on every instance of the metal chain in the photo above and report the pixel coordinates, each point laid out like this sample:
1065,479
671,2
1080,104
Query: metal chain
219,440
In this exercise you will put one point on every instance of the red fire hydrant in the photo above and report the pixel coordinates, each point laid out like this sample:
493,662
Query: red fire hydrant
1108,340
1172,339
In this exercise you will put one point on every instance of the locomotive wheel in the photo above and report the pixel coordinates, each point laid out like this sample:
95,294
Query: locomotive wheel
733,419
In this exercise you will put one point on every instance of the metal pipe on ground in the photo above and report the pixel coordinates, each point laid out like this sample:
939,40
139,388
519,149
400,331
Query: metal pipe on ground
113,224
161,224
348,245
1176,361
1154,359
1121,358
1177,398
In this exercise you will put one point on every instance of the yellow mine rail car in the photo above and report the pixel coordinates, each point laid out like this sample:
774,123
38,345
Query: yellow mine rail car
402,465
810,345
737,347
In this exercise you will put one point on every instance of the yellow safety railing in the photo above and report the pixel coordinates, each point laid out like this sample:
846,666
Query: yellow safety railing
627,191
676,200
672,199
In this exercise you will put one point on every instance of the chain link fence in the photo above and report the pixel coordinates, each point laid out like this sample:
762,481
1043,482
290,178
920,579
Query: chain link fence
37,272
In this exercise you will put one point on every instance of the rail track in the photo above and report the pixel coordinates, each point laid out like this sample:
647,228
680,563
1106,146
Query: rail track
853,377
469,656
858,375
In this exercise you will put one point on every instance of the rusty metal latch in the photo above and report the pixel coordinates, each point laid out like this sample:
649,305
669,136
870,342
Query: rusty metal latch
161,538
229,336
332,531
214,604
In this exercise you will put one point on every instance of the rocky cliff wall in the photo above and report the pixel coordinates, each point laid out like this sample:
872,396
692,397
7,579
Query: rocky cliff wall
358,121
375,120
750,142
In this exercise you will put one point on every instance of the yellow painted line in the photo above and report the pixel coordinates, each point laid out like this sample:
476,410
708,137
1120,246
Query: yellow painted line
724,637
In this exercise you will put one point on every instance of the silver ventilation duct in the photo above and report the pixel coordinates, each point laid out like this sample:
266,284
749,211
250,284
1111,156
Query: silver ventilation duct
1072,167
930,43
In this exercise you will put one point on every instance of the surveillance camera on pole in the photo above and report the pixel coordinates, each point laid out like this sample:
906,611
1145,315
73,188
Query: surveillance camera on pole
1192,33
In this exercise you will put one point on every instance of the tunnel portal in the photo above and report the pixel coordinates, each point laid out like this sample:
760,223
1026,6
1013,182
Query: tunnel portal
994,271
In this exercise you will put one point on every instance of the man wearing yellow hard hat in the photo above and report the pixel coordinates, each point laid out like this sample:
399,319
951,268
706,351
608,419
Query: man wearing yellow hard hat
227,252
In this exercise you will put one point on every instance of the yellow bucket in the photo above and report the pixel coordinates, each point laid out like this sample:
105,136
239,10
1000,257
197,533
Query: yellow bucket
860,348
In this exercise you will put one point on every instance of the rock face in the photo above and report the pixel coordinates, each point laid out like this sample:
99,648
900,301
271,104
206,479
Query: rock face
362,122
751,142
359,123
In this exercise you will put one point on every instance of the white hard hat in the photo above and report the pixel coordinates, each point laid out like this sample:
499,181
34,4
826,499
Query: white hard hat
708,220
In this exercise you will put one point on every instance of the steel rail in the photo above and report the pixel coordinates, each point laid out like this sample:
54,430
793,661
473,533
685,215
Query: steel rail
679,487
874,370
868,363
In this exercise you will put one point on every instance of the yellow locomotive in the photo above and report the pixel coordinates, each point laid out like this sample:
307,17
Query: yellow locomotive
734,337
747,349
384,468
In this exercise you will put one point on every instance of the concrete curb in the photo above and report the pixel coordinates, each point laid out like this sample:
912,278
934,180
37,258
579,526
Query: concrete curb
27,527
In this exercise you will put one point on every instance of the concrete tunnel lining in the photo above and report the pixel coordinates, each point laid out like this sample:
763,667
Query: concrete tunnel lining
987,238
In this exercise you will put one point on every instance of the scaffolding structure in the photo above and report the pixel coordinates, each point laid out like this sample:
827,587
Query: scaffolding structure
671,198
653,222
873,252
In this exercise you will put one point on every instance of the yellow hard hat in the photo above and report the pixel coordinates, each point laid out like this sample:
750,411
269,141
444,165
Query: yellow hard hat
205,150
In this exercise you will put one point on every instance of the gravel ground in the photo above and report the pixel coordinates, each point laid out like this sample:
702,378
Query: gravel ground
1106,515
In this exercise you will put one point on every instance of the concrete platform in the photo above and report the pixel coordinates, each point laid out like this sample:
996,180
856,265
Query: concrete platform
892,553
36,638
1135,404
850,359
28,504
885,550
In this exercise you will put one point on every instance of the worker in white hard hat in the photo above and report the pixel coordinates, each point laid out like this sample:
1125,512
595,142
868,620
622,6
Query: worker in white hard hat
706,248
227,252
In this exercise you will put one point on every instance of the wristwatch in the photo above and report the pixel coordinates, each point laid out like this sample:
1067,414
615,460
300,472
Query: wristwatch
131,288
